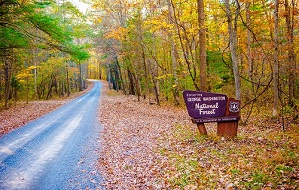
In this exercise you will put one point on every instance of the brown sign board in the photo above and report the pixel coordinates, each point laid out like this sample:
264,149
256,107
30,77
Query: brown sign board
211,107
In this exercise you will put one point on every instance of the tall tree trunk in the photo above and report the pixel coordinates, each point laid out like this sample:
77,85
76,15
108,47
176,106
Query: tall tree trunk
51,85
109,77
119,75
131,82
276,62
100,70
184,49
146,74
174,58
7,66
202,46
80,77
291,51
67,80
232,30
156,88
137,86
249,41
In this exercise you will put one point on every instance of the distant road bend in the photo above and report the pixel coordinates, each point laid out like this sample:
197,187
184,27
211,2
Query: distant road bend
56,151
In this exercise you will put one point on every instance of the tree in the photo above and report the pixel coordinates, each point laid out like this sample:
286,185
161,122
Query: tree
232,30
202,44
174,56
25,26
165,47
289,17
276,61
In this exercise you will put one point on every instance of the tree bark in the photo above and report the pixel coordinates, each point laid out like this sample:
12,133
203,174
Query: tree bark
7,77
131,82
276,62
184,50
119,78
291,51
80,77
232,30
202,46
67,80
174,58
249,41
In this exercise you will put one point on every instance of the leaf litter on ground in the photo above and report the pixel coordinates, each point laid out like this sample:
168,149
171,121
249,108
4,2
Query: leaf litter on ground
157,147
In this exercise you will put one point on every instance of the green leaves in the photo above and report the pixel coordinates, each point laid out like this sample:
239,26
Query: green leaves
33,23
48,25
79,53
10,38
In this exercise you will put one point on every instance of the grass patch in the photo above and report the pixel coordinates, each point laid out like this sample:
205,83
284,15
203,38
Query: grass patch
256,159
113,93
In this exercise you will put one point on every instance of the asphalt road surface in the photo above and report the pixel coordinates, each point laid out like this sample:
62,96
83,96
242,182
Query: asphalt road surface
56,151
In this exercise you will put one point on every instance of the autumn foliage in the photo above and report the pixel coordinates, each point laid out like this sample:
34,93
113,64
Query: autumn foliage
152,49
41,53
155,49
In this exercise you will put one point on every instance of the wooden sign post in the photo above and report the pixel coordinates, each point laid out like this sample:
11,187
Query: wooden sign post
205,107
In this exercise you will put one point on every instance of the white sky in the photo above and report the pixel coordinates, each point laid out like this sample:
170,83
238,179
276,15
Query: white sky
81,6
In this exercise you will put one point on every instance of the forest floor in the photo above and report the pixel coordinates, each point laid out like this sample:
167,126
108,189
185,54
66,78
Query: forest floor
157,147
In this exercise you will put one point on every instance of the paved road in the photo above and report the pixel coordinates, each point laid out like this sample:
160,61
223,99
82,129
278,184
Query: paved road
56,151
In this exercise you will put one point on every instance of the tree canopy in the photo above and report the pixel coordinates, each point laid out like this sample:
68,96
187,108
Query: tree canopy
31,34
154,49
157,49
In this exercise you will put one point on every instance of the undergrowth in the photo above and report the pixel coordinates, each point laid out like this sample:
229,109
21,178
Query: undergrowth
258,158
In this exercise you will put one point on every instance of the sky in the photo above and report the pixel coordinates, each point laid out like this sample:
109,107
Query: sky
82,6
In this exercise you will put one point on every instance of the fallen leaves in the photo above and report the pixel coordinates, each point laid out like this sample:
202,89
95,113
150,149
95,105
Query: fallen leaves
21,114
130,157
151,147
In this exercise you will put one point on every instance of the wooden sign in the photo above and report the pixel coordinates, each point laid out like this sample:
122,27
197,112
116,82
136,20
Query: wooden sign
204,107
205,104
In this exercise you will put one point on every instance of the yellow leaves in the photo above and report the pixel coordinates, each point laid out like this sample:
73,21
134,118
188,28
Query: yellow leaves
24,76
33,67
164,76
98,20
118,34
156,25
26,73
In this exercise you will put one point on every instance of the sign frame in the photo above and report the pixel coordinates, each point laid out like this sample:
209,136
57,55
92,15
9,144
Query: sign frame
206,107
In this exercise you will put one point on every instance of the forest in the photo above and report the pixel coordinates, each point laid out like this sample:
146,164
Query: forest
153,49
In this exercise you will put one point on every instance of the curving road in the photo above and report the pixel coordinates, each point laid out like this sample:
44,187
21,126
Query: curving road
56,151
